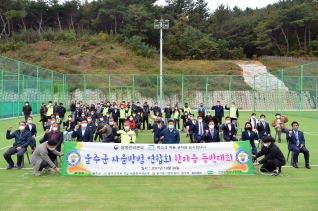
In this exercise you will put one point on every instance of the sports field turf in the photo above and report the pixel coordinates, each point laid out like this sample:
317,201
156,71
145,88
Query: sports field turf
295,189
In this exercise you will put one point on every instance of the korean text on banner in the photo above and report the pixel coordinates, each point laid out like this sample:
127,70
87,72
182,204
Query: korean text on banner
99,159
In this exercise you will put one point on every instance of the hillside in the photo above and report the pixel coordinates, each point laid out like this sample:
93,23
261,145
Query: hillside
110,57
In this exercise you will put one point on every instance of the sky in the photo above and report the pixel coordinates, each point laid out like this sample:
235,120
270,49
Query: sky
213,4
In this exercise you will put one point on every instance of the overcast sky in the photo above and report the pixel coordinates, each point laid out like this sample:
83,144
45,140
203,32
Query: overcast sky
213,4
240,3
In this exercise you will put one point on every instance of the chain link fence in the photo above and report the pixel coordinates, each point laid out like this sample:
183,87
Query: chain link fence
291,91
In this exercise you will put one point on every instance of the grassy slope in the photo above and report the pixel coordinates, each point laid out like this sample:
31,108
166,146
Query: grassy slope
112,57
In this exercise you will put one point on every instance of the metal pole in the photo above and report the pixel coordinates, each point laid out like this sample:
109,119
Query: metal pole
37,89
254,93
182,91
230,90
84,91
301,89
206,91
161,63
19,65
316,95
282,95
266,96
52,89
276,95
157,88
2,92
133,89
109,99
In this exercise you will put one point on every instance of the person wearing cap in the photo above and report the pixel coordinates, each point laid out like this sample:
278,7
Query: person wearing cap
279,124
201,110
273,157
296,144
26,110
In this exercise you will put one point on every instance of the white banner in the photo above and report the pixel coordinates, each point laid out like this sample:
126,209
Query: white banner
100,159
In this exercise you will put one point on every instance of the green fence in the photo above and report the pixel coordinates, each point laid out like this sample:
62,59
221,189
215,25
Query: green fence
292,89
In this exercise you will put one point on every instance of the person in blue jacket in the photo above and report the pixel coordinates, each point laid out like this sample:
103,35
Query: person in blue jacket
170,135
250,135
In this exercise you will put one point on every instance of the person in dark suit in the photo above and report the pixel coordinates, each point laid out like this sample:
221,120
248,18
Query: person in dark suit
115,113
32,128
250,135
229,131
273,158
199,129
191,127
219,111
211,134
155,128
296,143
263,128
83,134
55,135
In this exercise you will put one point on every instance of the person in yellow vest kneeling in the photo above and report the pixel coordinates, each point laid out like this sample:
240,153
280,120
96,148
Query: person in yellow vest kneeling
127,135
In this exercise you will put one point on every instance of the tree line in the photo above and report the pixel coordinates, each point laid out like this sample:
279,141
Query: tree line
288,27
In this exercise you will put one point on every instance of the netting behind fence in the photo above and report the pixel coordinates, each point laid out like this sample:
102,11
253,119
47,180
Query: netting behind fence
292,89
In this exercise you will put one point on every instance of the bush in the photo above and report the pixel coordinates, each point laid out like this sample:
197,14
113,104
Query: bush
141,48
11,46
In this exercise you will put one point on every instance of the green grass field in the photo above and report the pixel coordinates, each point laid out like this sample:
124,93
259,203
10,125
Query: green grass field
296,189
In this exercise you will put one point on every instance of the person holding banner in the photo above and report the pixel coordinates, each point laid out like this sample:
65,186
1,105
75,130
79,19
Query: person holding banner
170,135
273,157
127,135
42,158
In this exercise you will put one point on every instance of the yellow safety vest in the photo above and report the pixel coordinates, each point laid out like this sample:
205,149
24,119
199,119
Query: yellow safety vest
187,110
233,112
129,113
127,137
49,111
105,110
122,113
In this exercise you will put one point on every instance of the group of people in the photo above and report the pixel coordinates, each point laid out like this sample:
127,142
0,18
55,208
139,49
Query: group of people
121,123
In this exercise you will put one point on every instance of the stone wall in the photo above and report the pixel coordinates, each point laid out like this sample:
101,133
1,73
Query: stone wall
243,99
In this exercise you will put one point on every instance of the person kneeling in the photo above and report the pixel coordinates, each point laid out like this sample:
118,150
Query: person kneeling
41,157
274,158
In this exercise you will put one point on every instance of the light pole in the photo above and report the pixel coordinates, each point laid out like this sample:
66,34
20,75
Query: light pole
161,24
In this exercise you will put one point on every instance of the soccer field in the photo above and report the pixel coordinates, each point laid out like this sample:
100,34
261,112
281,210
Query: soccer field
295,189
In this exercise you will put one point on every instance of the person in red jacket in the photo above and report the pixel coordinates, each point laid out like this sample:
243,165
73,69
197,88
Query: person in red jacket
132,123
